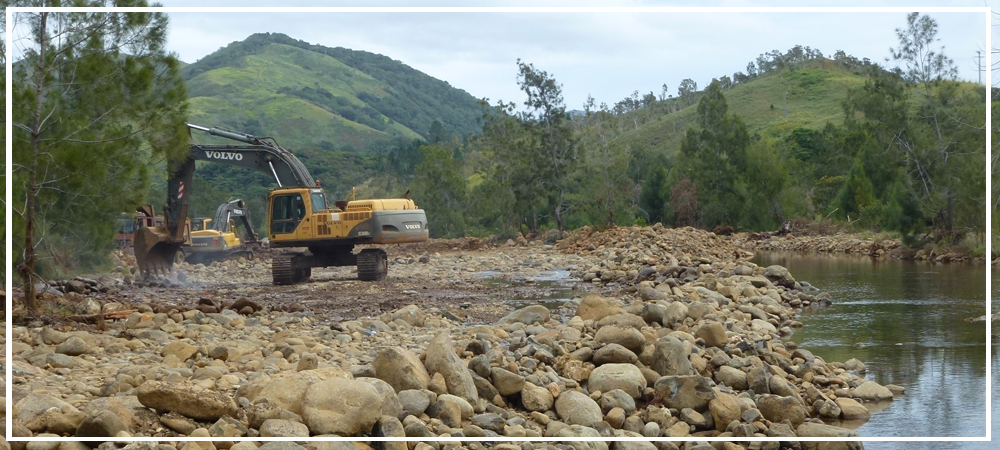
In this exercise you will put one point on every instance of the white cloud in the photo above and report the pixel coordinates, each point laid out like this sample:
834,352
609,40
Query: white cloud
606,55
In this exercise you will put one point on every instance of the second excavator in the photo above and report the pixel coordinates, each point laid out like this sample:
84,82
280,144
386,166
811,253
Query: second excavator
298,215
219,238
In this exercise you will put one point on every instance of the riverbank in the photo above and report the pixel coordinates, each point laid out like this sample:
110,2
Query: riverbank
671,332
850,244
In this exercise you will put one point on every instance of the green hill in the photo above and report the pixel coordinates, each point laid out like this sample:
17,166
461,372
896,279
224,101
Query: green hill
309,96
814,97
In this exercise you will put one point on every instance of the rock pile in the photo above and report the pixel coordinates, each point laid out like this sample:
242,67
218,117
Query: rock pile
842,243
836,243
690,348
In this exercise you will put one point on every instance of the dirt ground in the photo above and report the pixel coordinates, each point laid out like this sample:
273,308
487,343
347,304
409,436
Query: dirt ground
467,280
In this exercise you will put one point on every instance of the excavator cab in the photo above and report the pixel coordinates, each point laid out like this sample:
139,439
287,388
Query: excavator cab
201,224
287,210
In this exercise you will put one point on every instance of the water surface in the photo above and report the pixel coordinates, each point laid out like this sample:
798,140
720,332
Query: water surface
906,321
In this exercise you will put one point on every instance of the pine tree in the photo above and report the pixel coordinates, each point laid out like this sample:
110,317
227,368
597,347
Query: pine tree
95,98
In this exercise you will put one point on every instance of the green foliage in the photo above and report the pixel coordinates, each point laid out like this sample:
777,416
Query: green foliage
714,157
766,177
439,187
857,195
88,118
808,78
372,97
654,196
95,97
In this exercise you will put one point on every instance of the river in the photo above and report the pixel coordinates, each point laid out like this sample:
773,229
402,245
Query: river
906,321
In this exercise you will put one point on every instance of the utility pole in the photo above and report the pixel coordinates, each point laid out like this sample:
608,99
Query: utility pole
979,65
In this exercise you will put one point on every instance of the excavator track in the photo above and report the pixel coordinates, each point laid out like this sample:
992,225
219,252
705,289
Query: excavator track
373,264
281,269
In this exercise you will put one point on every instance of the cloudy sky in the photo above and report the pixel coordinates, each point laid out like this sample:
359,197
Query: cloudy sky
607,55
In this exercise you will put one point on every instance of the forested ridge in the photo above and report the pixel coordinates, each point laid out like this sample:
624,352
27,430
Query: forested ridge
793,135
798,135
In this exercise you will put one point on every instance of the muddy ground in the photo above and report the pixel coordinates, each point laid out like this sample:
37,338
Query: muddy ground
470,283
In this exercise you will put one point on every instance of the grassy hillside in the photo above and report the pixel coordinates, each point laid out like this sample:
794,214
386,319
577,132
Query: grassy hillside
314,97
814,97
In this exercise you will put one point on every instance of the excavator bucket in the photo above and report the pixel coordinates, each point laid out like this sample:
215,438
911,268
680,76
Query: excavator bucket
154,252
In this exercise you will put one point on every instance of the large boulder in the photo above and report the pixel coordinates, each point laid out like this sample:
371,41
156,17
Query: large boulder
577,408
288,389
779,275
725,408
614,353
410,314
714,334
527,315
595,308
777,408
687,391
732,377
670,357
625,336
401,368
391,406
850,409
626,377
676,312
441,358
186,399
506,382
342,407
44,413
536,398
415,402
872,392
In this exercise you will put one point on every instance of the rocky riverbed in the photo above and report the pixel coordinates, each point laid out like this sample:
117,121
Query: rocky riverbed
647,332
849,244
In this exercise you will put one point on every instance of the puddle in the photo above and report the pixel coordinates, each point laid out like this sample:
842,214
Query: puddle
550,288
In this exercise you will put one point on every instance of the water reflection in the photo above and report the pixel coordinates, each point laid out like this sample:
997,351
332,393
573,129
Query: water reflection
908,321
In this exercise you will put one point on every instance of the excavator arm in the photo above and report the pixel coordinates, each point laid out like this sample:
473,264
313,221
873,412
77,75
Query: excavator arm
155,248
237,210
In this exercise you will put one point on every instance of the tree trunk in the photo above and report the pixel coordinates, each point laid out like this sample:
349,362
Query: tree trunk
558,214
27,268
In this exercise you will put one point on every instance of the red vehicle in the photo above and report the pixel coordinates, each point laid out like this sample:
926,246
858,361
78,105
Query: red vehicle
127,225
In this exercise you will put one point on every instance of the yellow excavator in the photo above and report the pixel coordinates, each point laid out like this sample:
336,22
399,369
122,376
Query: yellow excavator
298,215
218,238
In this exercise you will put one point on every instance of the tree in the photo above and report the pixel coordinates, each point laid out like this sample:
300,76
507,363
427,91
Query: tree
436,133
546,117
509,192
439,187
765,177
654,196
95,98
714,157
603,184
686,90
684,201
947,127
924,65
